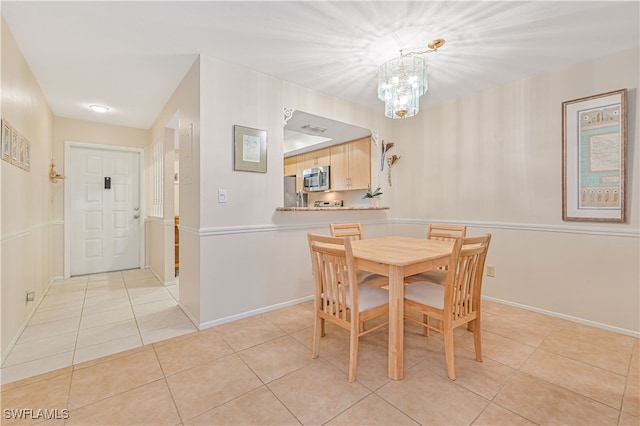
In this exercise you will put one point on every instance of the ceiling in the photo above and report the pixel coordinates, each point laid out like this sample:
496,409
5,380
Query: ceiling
130,56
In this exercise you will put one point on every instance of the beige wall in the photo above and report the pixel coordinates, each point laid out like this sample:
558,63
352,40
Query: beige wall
253,258
494,160
26,222
491,160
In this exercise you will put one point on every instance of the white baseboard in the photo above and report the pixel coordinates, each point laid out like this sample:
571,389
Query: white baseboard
26,321
567,317
247,314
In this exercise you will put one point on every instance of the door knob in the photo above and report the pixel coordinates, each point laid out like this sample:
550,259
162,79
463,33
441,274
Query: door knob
136,216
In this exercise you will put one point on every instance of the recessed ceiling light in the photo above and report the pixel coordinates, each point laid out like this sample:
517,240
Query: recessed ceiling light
98,108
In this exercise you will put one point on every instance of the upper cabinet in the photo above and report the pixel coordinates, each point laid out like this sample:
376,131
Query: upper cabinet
319,158
351,165
315,141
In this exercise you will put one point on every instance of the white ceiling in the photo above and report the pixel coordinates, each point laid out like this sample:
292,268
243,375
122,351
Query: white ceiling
131,56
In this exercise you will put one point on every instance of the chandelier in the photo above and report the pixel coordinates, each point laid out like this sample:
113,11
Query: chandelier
402,81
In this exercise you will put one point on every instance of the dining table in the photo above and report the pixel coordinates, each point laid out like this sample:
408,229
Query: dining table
398,257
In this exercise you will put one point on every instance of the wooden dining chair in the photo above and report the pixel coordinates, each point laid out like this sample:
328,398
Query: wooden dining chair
457,302
442,233
338,297
353,231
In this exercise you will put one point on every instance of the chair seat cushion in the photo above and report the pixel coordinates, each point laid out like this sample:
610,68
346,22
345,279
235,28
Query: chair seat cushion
438,276
370,297
370,278
427,293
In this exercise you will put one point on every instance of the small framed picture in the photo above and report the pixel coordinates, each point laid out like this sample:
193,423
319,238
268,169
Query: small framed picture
250,149
6,140
15,147
25,154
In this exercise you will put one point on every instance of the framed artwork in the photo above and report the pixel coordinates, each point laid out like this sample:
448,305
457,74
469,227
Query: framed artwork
25,154
27,163
594,151
15,147
6,140
250,149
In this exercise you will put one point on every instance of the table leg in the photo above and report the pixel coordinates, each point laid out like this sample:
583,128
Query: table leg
396,322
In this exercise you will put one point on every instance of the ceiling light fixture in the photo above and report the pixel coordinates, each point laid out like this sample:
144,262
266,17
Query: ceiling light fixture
311,129
402,81
98,108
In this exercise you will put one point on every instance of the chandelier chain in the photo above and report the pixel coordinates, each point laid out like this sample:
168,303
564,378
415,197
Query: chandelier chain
433,47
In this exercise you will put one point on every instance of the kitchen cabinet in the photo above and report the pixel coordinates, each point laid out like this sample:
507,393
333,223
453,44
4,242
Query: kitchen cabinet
295,164
290,165
351,165
319,158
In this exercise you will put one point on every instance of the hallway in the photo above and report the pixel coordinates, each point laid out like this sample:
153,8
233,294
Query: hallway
90,316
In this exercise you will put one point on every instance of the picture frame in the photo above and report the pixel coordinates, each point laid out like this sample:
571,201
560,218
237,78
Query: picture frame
15,147
7,130
594,151
25,154
250,149
27,164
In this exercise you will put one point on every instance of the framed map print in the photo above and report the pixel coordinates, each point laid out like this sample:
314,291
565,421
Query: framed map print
594,150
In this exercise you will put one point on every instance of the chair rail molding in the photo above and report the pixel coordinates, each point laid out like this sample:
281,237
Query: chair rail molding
566,229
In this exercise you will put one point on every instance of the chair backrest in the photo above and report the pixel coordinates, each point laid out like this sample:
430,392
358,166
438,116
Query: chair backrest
351,230
336,289
464,283
446,232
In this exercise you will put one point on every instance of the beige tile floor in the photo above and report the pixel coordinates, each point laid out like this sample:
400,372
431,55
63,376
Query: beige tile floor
91,316
258,371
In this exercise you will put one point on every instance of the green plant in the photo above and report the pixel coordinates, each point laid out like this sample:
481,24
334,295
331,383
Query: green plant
373,194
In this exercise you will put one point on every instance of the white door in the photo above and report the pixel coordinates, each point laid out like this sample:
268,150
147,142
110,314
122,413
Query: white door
105,210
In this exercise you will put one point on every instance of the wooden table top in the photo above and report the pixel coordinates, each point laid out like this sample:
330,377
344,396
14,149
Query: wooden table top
400,251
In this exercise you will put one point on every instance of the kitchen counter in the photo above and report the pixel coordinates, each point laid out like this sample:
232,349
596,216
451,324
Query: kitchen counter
316,209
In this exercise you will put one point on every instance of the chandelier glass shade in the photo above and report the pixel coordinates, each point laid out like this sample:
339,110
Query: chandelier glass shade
402,81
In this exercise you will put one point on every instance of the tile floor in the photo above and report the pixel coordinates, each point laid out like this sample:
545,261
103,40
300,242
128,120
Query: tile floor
258,371
87,317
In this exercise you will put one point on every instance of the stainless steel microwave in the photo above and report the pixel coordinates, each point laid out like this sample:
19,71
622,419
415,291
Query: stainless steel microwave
316,179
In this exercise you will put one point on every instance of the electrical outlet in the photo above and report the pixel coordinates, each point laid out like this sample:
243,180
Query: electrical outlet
222,195
491,271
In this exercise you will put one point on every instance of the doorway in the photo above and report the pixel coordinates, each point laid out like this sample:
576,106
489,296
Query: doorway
103,217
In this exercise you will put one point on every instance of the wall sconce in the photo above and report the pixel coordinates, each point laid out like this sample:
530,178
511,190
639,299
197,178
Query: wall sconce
53,175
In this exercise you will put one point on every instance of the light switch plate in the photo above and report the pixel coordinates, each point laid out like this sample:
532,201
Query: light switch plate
222,195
